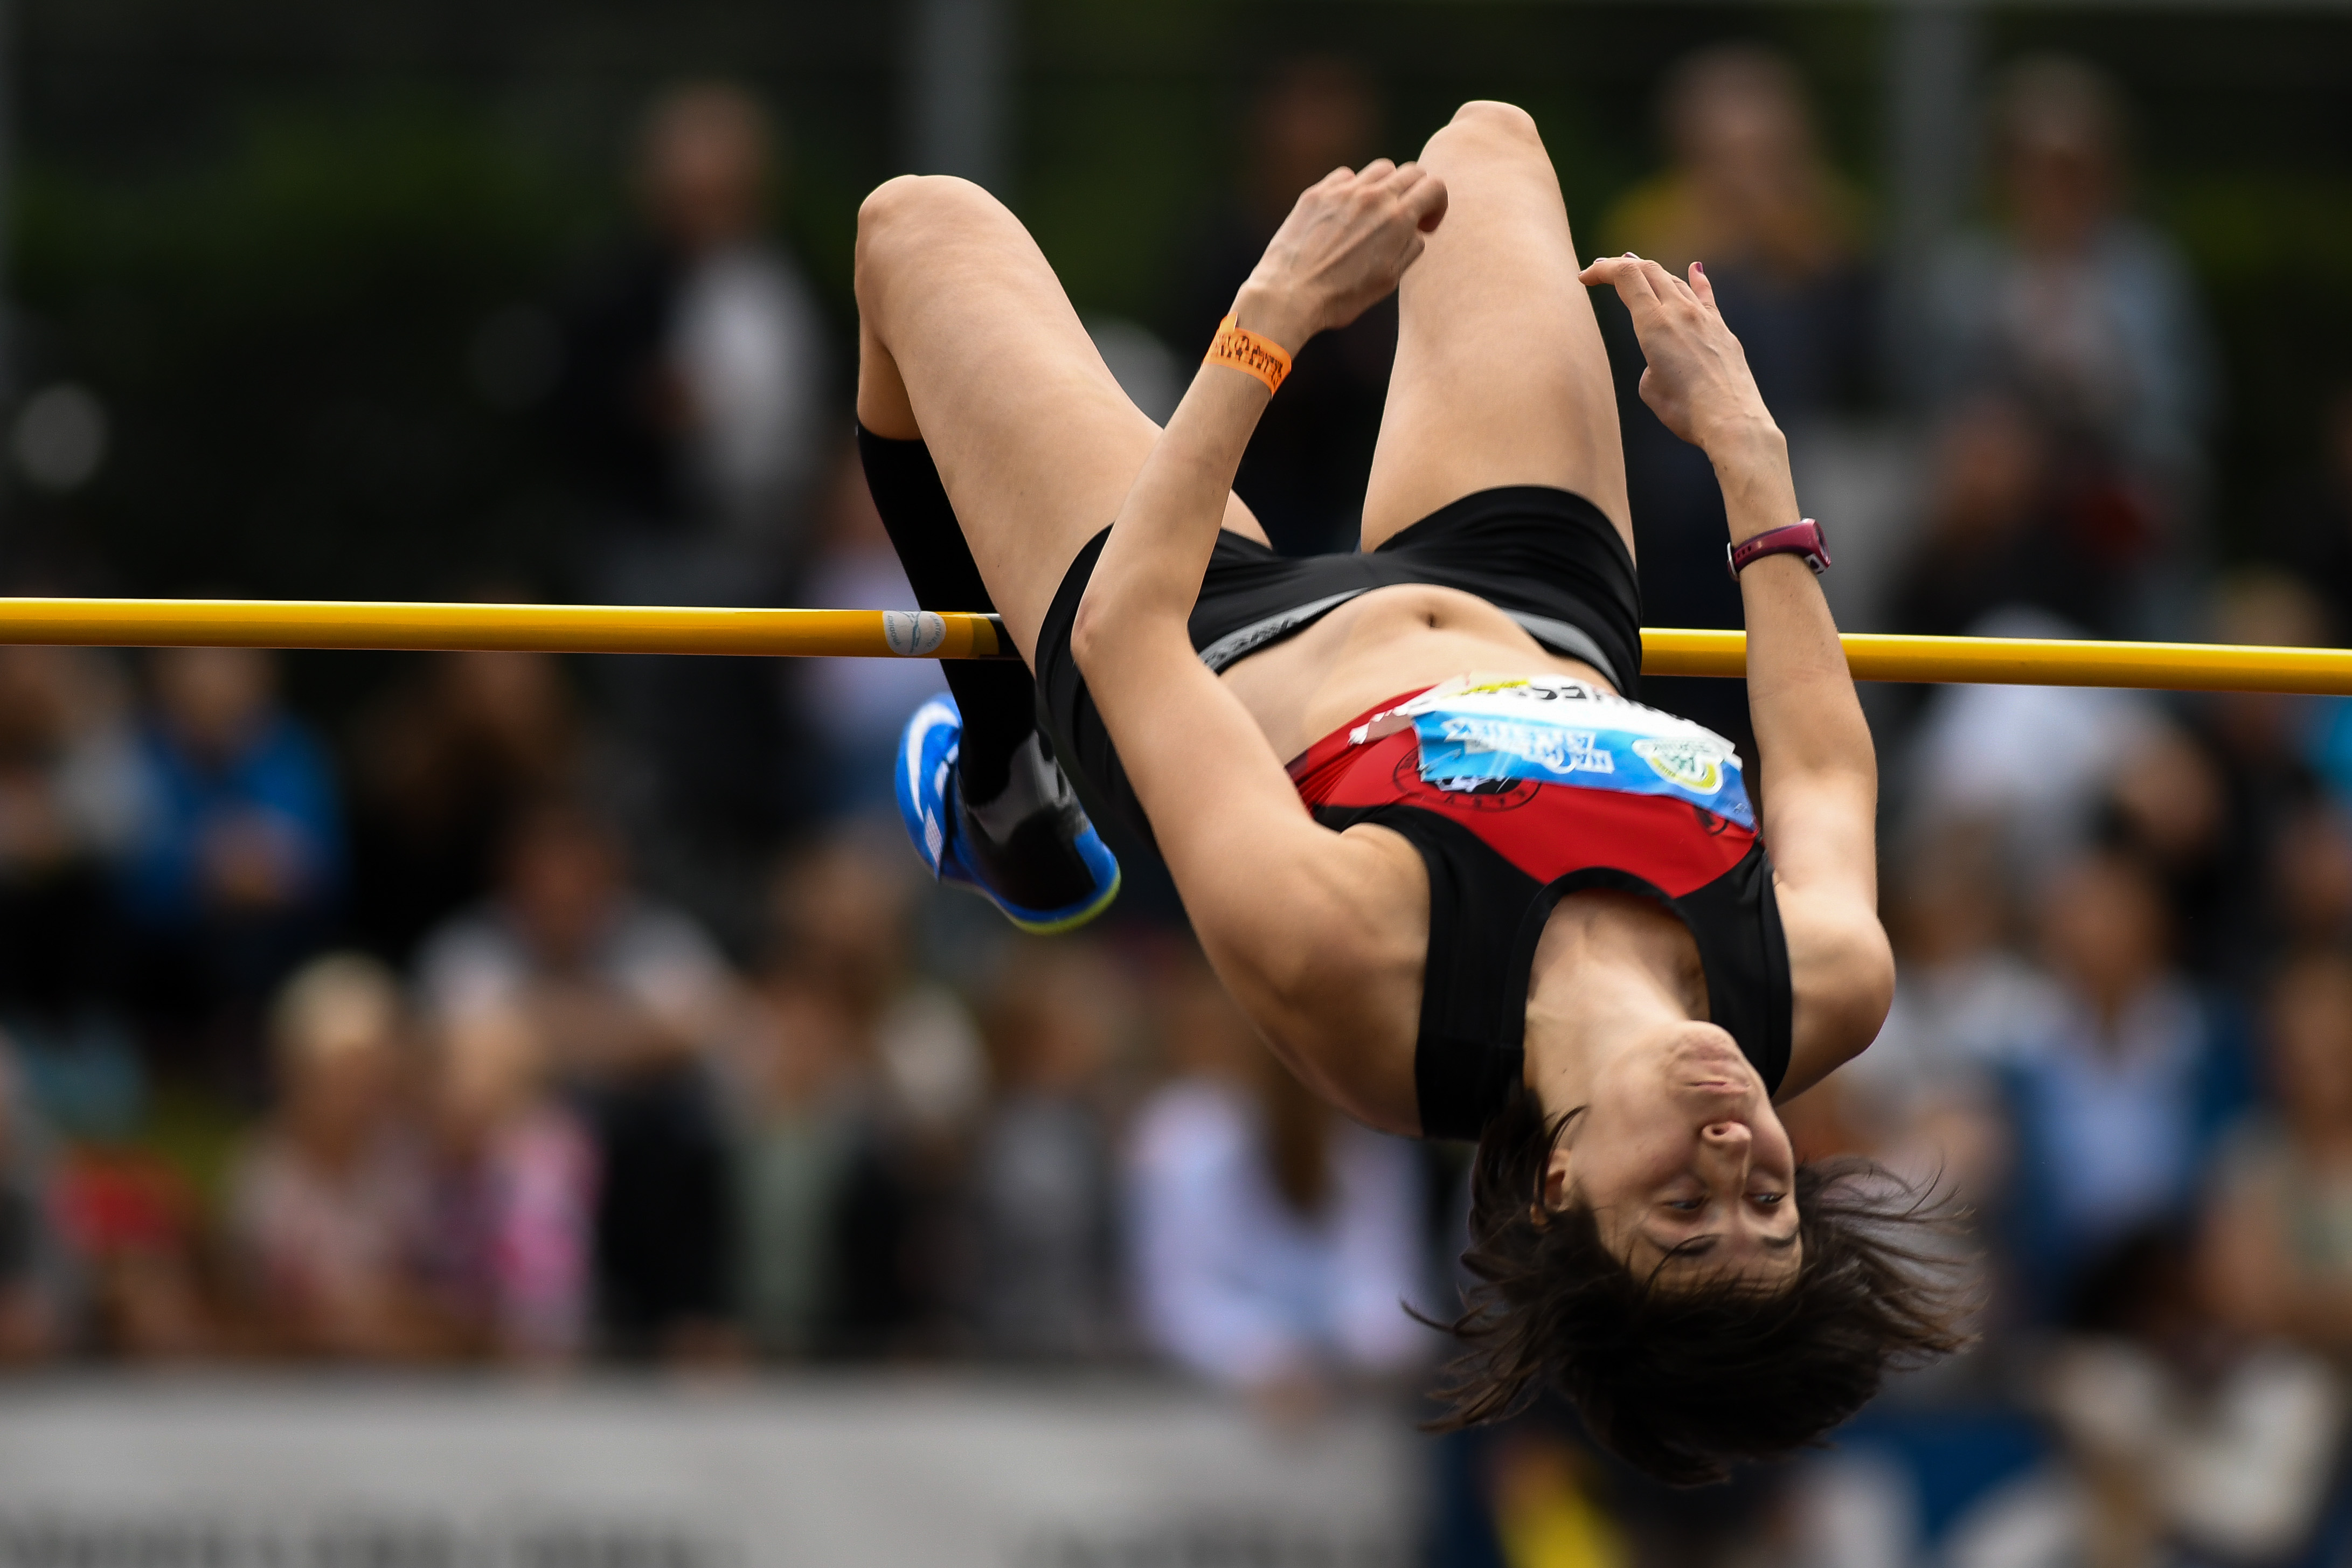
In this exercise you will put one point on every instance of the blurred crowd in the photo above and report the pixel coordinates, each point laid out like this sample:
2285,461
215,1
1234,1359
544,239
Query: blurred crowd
543,1012
404,1063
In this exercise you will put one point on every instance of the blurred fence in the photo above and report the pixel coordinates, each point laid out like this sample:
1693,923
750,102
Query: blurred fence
877,1472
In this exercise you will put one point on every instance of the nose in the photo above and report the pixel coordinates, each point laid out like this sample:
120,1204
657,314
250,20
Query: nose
1729,1146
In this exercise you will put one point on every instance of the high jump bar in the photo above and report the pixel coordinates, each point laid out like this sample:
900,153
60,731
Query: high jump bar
922,634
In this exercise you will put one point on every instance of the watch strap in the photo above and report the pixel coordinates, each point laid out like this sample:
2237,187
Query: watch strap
1804,538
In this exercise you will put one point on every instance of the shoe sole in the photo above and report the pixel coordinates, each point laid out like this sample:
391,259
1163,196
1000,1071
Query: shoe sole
1056,926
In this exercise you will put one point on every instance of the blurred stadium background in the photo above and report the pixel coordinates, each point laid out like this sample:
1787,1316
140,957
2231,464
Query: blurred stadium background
496,1109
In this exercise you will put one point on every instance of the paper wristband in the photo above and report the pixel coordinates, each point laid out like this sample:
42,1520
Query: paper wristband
1245,351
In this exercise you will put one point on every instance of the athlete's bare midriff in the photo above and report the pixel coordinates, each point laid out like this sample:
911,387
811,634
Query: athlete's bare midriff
1377,646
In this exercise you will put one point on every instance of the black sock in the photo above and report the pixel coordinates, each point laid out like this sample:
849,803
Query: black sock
998,698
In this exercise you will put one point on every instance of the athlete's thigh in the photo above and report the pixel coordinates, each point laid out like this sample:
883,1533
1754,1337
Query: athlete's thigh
1500,376
1036,442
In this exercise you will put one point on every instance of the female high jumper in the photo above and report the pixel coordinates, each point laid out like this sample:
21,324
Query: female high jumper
1490,895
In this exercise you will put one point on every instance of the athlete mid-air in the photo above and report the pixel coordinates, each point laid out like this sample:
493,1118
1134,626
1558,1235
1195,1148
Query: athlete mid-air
1465,884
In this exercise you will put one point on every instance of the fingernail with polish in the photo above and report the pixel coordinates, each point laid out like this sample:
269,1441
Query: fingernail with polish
1699,268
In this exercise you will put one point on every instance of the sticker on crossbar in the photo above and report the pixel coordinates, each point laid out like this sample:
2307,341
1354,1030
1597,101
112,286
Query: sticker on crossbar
913,634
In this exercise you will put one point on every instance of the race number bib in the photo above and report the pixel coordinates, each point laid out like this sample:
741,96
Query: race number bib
1475,733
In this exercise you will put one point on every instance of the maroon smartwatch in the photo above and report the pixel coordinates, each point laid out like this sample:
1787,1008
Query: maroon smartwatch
1803,539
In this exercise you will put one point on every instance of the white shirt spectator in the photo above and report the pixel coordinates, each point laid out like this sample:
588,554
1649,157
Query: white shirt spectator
749,347
1237,1286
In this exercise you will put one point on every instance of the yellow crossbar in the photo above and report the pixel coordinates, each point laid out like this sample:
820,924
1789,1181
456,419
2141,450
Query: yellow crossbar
2032,661
551,628
853,633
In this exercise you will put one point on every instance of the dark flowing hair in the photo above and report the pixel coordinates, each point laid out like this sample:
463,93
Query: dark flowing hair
1679,1380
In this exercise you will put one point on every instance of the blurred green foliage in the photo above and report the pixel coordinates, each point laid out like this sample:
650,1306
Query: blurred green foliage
2273,248
268,233
281,332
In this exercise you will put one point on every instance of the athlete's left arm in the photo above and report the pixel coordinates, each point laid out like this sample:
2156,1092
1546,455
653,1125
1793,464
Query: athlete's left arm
1819,769
1819,779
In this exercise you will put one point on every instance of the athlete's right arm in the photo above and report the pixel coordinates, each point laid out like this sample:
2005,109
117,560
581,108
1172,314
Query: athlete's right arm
1297,920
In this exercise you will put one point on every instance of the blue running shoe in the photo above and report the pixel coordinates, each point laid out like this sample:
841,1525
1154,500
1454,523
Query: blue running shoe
1031,851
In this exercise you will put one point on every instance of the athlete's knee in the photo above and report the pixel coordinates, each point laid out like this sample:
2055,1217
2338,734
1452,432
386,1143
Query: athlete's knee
1487,123
903,218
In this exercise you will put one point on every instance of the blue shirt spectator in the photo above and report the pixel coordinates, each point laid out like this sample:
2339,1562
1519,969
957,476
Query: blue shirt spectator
2120,1102
257,827
239,807
236,863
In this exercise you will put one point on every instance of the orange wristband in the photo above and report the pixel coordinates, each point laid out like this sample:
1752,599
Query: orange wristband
1245,351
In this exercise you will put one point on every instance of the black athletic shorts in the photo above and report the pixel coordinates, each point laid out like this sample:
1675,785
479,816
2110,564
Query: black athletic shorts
1547,558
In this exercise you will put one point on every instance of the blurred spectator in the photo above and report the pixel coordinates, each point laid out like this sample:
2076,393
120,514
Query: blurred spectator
2311,523
2086,315
70,783
2118,1105
844,917
1989,543
694,383
856,707
1311,455
2209,809
330,1212
1043,1182
695,406
442,766
132,1223
514,1194
1273,1242
630,998
1749,192
2310,877
2033,761
2278,1233
806,1132
35,1280
1925,1096
869,1078
234,868
2177,1443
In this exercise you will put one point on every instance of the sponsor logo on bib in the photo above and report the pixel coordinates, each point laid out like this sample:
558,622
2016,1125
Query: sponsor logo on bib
1694,764
1557,750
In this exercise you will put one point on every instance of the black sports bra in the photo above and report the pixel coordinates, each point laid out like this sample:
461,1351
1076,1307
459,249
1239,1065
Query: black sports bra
1519,792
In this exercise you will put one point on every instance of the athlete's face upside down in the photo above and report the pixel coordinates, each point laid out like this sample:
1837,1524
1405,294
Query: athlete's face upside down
1683,1162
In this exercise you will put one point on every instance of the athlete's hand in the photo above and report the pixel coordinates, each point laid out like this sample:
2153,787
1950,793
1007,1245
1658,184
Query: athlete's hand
1345,245
1697,382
